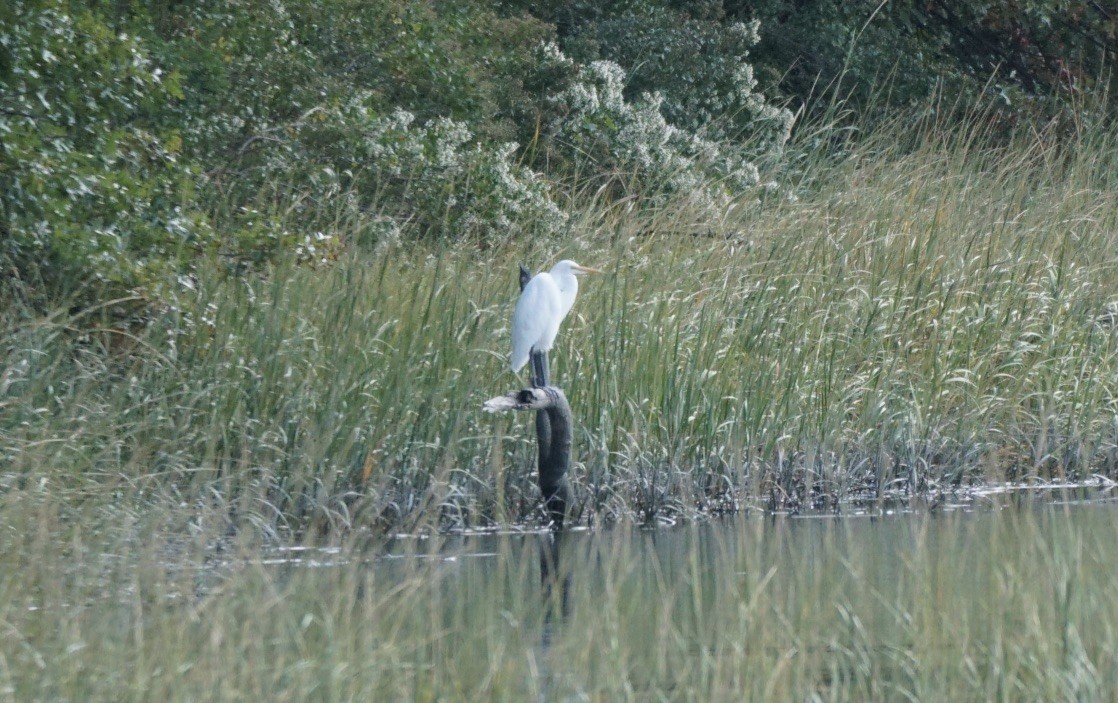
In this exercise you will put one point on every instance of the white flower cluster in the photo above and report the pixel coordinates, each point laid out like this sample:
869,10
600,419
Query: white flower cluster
701,68
636,145
393,146
437,170
317,248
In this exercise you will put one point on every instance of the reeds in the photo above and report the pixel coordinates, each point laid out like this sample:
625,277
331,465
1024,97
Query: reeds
923,311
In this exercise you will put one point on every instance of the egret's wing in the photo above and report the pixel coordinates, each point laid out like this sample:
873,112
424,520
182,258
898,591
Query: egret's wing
537,305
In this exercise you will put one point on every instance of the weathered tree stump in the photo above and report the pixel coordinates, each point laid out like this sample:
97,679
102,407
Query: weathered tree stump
553,433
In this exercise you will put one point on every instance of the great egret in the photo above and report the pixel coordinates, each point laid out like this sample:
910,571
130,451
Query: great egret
544,302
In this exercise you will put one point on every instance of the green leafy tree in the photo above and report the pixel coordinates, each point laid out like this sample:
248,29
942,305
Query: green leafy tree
292,108
92,190
1029,54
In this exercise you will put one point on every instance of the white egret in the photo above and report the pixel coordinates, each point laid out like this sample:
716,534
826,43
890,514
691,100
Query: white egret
544,302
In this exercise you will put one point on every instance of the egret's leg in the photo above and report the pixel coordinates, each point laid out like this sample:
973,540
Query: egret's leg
534,371
540,372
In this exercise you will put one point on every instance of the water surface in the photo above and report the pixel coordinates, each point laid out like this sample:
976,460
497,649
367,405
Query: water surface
1008,595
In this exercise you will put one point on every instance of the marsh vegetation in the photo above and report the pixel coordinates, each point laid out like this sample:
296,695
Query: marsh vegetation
256,495
928,313
255,291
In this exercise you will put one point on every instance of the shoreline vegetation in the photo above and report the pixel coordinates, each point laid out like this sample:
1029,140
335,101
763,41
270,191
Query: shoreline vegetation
928,314
259,259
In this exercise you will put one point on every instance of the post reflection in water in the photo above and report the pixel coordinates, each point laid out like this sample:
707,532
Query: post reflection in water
555,586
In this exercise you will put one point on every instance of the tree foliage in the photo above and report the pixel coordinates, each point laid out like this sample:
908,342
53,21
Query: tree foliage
1032,54
633,146
92,186
136,135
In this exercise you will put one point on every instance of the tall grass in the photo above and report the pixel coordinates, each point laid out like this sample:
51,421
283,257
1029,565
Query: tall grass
922,311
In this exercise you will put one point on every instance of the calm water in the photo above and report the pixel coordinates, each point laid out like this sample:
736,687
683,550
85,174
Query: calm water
1008,595
875,602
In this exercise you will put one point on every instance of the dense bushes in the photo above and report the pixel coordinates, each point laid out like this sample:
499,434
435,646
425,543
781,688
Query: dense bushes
694,57
1029,55
135,136
633,145
93,188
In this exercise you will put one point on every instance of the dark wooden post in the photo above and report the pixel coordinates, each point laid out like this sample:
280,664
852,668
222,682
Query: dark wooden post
554,436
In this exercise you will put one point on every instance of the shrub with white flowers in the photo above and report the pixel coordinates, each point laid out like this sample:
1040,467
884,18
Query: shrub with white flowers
631,143
433,176
700,64
381,174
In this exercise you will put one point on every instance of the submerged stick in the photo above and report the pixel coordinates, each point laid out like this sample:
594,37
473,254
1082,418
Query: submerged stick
553,432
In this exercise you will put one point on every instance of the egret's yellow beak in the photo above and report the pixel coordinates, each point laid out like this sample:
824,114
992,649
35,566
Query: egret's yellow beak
584,269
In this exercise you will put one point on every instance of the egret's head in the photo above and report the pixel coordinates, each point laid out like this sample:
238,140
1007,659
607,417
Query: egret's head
568,266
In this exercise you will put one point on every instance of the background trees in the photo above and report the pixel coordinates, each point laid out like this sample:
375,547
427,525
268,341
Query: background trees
137,136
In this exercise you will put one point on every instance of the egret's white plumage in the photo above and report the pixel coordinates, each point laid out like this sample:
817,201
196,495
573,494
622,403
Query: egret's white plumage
543,304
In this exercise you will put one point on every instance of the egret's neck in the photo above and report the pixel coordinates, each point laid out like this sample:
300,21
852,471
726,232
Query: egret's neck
568,289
